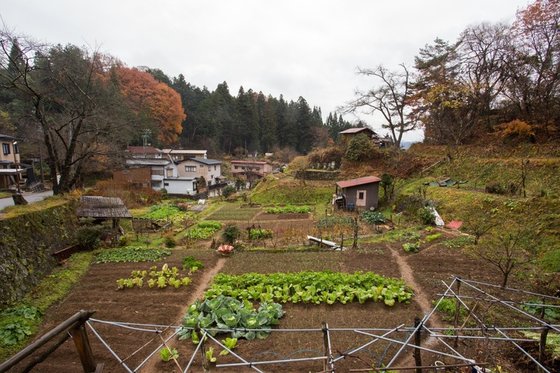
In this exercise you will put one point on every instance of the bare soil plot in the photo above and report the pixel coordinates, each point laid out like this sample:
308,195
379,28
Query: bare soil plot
234,213
150,306
97,291
286,216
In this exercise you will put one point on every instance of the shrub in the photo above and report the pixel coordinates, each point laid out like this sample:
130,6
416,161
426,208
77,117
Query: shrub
516,131
360,148
89,237
373,217
231,234
192,264
411,247
426,216
497,188
447,307
259,233
228,191
410,204
170,242
494,188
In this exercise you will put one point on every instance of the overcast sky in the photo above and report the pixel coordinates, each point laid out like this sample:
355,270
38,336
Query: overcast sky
294,48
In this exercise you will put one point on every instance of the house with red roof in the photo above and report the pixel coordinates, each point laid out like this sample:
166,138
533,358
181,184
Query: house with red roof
361,193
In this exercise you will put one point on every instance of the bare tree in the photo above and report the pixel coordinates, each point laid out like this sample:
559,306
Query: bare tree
508,248
390,99
71,98
483,53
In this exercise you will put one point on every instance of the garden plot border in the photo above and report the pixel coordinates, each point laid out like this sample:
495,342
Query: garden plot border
436,343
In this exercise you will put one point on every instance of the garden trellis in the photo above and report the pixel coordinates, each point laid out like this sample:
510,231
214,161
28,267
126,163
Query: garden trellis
438,344
492,316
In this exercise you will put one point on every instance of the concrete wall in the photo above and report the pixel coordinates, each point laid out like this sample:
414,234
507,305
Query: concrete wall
179,186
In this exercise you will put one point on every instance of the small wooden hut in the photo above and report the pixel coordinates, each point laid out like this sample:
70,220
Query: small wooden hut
103,208
361,193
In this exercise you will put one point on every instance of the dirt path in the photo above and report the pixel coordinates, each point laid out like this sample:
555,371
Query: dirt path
408,276
205,280
421,298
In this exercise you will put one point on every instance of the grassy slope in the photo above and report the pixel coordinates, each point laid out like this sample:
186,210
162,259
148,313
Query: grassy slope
284,190
481,166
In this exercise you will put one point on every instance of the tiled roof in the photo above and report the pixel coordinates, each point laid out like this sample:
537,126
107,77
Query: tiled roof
143,150
356,182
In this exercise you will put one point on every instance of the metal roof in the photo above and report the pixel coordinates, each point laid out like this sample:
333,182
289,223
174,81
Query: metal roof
102,207
249,162
206,161
147,162
357,130
7,137
359,181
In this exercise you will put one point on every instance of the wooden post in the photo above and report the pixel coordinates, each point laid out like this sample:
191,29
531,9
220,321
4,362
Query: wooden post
544,335
542,346
81,341
328,366
355,243
457,313
417,341
341,241
325,346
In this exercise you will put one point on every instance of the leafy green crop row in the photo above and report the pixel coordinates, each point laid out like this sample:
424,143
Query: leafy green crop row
203,230
224,312
259,233
288,209
161,279
131,254
166,211
311,287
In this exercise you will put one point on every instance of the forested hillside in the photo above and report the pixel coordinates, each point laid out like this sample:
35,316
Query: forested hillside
249,121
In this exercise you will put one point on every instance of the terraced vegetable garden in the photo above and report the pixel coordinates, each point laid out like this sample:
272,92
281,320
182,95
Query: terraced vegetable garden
255,293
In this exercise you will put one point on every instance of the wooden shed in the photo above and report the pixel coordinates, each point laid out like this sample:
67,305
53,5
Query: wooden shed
361,193
103,208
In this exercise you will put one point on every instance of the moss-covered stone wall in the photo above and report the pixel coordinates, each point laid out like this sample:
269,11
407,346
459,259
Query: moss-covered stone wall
26,245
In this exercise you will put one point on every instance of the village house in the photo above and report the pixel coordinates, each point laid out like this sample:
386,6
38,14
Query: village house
11,171
260,168
350,133
178,171
209,170
361,193
250,170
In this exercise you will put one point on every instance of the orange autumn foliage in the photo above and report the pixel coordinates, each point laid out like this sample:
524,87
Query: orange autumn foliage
157,99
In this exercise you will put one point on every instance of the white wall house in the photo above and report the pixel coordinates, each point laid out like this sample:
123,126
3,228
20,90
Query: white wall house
209,169
177,171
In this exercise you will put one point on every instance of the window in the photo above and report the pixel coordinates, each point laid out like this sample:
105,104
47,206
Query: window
16,149
201,166
360,195
209,168
215,168
190,168
237,167
6,148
